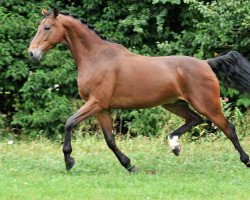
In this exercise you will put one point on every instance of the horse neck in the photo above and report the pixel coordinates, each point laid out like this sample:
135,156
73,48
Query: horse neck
81,40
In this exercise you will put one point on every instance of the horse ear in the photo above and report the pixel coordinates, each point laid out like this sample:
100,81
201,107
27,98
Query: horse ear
56,12
44,12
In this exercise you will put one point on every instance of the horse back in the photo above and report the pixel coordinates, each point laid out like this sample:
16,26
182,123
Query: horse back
143,81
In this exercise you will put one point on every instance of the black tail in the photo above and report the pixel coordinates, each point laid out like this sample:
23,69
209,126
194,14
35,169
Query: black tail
233,70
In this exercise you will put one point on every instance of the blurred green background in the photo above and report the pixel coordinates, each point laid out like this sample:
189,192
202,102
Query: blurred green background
37,98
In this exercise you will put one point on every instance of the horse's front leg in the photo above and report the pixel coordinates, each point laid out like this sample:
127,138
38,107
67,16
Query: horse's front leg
106,122
89,109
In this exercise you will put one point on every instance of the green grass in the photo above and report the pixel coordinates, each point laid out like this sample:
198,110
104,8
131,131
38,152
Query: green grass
204,170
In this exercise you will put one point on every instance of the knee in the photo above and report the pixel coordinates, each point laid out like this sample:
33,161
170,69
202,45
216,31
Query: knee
67,150
231,127
231,131
110,142
69,125
194,120
197,120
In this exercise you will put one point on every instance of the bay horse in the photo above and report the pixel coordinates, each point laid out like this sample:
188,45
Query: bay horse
111,77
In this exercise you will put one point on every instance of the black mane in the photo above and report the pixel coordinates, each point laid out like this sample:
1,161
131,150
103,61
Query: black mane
82,21
85,23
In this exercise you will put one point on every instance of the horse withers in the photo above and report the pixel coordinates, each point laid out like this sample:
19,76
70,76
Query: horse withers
110,77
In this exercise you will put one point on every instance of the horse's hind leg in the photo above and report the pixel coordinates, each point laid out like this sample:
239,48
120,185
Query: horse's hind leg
214,113
228,128
182,109
106,122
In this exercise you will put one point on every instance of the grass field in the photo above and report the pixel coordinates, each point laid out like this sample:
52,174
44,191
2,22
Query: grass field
204,170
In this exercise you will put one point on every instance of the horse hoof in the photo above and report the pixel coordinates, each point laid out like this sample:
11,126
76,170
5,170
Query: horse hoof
248,164
177,150
174,144
70,163
133,169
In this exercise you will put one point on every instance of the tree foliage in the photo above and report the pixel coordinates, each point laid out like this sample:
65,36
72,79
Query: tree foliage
38,97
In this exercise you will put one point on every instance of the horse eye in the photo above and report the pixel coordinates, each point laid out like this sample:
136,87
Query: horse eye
46,28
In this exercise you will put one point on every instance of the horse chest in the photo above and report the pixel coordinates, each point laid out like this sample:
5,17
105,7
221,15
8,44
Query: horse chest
84,88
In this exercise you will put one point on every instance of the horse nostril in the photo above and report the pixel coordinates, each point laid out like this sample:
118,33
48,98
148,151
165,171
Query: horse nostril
30,54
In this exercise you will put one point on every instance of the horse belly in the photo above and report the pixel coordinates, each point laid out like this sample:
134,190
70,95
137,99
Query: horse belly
141,96
125,103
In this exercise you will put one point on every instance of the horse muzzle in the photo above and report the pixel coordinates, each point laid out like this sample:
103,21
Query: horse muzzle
35,54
